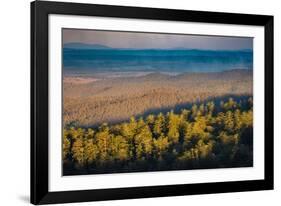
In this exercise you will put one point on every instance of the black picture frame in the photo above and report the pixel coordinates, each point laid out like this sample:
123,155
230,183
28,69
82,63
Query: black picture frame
39,102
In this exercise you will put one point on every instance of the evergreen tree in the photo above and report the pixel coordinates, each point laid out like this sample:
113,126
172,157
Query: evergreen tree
159,125
161,145
150,120
194,111
78,152
103,140
119,149
173,122
128,130
91,149
66,145
143,142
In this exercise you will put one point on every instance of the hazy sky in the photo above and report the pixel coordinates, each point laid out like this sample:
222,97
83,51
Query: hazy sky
155,40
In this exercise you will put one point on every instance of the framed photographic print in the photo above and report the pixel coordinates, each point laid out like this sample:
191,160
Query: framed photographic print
131,102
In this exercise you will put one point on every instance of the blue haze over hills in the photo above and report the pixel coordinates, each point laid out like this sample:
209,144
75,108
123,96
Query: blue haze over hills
96,58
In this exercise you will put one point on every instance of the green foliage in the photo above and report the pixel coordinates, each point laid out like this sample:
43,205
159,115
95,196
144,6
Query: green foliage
207,136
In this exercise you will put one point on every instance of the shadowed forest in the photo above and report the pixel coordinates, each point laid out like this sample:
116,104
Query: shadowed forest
212,134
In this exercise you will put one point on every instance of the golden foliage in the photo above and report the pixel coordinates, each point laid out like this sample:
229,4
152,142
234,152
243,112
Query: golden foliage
206,136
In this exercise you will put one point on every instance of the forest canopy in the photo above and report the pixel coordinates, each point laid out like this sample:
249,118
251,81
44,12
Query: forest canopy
205,135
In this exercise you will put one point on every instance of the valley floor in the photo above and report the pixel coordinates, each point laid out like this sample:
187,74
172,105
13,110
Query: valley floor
90,101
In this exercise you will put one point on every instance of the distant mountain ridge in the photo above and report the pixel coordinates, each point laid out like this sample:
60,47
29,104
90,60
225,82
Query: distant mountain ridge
78,45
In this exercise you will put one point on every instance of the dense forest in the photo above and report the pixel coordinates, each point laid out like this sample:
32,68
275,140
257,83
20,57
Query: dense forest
92,100
204,135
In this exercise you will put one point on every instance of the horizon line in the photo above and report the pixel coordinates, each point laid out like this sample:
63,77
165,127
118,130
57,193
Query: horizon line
105,47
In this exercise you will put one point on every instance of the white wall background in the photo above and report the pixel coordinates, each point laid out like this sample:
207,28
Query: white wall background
14,102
